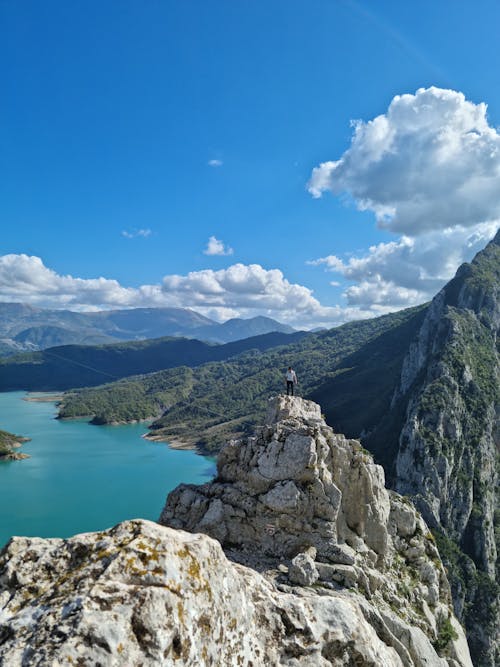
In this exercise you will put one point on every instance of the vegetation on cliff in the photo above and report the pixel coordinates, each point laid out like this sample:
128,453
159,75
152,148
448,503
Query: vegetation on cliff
447,440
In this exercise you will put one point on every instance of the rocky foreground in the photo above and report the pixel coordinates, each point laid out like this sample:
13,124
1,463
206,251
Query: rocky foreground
313,563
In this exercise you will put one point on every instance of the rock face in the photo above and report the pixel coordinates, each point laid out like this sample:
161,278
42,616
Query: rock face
344,572
14,456
294,485
142,594
448,447
300,499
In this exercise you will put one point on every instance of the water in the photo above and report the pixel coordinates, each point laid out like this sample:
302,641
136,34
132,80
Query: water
81,477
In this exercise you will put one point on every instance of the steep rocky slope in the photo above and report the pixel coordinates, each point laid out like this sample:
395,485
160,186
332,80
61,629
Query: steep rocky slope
297,493
333,570
446,410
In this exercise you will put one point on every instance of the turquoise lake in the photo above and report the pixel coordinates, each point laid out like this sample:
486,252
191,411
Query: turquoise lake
81,477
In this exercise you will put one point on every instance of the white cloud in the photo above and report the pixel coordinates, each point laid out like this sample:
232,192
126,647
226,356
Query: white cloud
25,278
432,161
429,169
411,270
216,247
238,291
251,290
136,233
215,163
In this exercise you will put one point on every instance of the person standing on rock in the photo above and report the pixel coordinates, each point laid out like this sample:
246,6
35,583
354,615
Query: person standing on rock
291,381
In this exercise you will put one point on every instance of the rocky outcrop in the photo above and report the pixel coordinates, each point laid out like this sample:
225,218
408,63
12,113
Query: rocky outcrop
14,456
142,594
448,446
9,445
323,566
301,501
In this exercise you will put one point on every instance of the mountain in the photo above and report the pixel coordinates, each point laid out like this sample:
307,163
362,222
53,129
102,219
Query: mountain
314,562
443,434
210,403
69,366
421,390
24,328
237,328
44,336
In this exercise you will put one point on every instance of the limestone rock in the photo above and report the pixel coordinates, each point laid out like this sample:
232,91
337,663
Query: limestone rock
447,458
297,492
144,595
282,490
343,572
302,570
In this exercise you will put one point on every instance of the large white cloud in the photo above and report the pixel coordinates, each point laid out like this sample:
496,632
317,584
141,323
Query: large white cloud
429,169
237,291
249,289
26,278
432,161
410,270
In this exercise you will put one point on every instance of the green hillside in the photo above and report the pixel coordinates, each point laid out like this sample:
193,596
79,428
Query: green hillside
70,366
207,404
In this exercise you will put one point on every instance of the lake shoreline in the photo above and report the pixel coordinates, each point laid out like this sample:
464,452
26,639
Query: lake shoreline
174,443
82,479
49,398
14,456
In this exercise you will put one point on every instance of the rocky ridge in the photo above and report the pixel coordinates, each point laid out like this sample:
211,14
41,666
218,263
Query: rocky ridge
447,459
343,572
316,505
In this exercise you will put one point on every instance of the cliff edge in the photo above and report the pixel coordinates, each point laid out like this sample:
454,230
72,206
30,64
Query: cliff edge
447,458
309,509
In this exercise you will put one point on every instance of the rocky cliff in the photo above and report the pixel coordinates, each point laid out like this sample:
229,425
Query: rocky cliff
322,565
317,508
447,458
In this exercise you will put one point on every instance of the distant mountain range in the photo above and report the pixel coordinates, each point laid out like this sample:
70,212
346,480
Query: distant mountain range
25,328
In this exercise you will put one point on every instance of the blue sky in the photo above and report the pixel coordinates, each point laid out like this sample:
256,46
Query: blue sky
133,132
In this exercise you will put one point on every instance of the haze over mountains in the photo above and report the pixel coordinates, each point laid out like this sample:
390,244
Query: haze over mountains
25,328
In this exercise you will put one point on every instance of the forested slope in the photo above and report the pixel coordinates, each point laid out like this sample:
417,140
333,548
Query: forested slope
69,366
206,404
